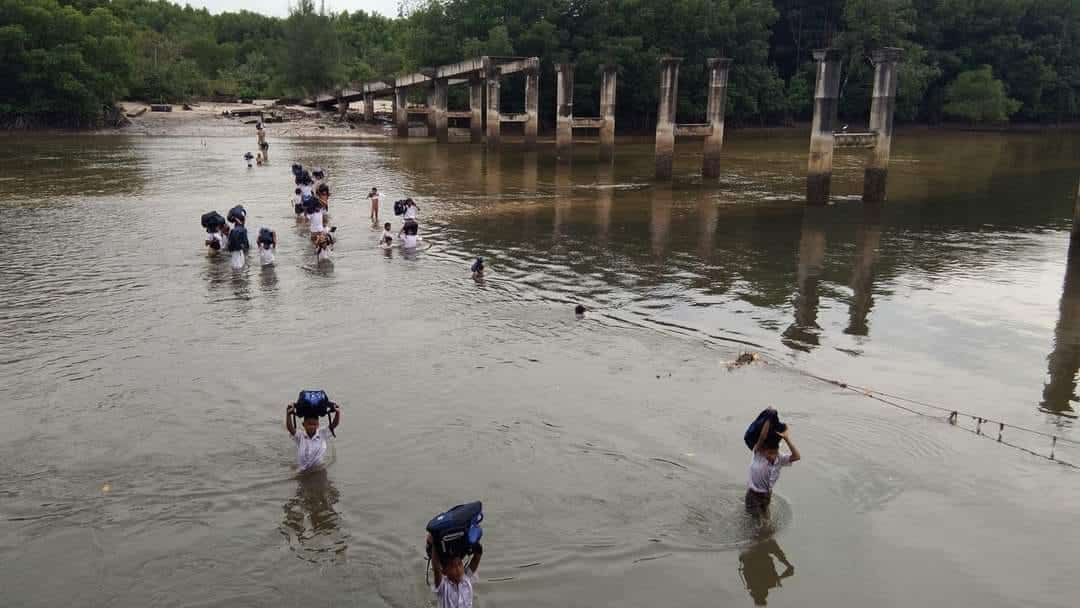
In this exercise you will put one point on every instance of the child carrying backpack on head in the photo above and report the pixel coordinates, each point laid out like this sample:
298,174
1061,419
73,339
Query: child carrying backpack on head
267,242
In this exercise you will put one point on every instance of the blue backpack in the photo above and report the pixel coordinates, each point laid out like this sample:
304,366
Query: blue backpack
266,237
457,531
775,428
238,239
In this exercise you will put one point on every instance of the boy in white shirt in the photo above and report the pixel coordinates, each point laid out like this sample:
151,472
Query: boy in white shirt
453,585
310,439
387,238
765,467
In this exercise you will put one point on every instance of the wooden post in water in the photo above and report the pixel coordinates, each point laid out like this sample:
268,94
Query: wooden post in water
665,116
476,109
714,142
442,125
532,101
401,111
492,86
608,74
564,108
881,122
819,165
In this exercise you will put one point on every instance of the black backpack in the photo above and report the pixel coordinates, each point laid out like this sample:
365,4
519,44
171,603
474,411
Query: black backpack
212,220
399,207
237,214
238,239
266,237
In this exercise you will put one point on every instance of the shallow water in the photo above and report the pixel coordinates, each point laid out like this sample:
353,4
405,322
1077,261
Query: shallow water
146,464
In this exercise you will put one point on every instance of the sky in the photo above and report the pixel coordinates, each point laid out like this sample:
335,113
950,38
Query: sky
280,8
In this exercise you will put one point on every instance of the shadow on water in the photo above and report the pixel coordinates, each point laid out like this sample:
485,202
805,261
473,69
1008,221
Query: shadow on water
757,569
311,525
1059,392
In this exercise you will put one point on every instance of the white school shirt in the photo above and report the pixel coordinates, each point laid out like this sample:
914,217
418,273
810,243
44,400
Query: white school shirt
310,451
410,212
315,221
305,191
386,233
460,595
764,474
216,236
409,241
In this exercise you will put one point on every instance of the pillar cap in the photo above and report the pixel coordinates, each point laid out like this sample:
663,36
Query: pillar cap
564,67
827,55
609,67
888,54
720,62
669,60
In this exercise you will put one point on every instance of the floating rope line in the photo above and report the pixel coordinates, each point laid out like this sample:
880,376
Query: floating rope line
952,415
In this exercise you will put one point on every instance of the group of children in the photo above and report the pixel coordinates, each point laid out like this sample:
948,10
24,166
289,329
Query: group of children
230,233
311,204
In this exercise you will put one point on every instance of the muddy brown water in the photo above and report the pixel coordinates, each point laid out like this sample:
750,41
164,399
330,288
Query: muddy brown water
144,460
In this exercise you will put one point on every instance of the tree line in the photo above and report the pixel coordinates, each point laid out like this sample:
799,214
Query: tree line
65,62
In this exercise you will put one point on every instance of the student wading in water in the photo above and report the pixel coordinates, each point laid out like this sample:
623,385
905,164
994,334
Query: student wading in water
767,461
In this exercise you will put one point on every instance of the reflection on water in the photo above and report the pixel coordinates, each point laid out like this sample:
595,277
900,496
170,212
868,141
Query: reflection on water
803,333
867,241
1059,393
311,524
757,568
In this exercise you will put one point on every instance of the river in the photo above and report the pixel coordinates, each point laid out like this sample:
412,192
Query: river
145,460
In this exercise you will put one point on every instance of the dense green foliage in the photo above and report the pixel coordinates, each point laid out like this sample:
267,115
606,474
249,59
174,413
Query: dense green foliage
63,61
977,96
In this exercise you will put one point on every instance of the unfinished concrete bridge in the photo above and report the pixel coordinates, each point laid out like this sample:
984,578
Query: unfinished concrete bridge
483,77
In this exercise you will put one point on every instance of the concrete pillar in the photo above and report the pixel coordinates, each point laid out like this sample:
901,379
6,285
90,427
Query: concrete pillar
476,107
369,107
342,105
442,124
491,85
665,115
532,101
881,120
660,219
714,114
564,108
430,105
401,114
608,74
819,165
605,195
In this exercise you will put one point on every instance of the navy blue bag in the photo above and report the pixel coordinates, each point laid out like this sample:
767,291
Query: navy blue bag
457,532
212,221
313,403
237,214
238,239
775,428
266,237
399,207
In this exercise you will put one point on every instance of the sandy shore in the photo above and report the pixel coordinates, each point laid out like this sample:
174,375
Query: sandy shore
212,119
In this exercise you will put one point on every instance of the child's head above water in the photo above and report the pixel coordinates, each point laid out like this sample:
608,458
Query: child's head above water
311,425
386,226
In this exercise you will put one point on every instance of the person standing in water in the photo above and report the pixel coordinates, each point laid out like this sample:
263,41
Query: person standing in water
766,463
260,137
374,196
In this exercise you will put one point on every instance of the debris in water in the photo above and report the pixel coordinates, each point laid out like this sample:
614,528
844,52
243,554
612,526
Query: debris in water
106,488
745,359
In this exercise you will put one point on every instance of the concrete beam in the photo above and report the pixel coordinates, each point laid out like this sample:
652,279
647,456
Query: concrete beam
855,140
410,80
665,115
701,129
465,114
826,90
460,68
588,123
881,120
517,65
514,118
714,141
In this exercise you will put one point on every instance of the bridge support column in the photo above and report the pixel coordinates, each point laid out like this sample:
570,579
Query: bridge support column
369,107
665,115
881,120
430,109
564,108
492,90
819,165
718,82
401,111
532,101
608,75
476,108
442,124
